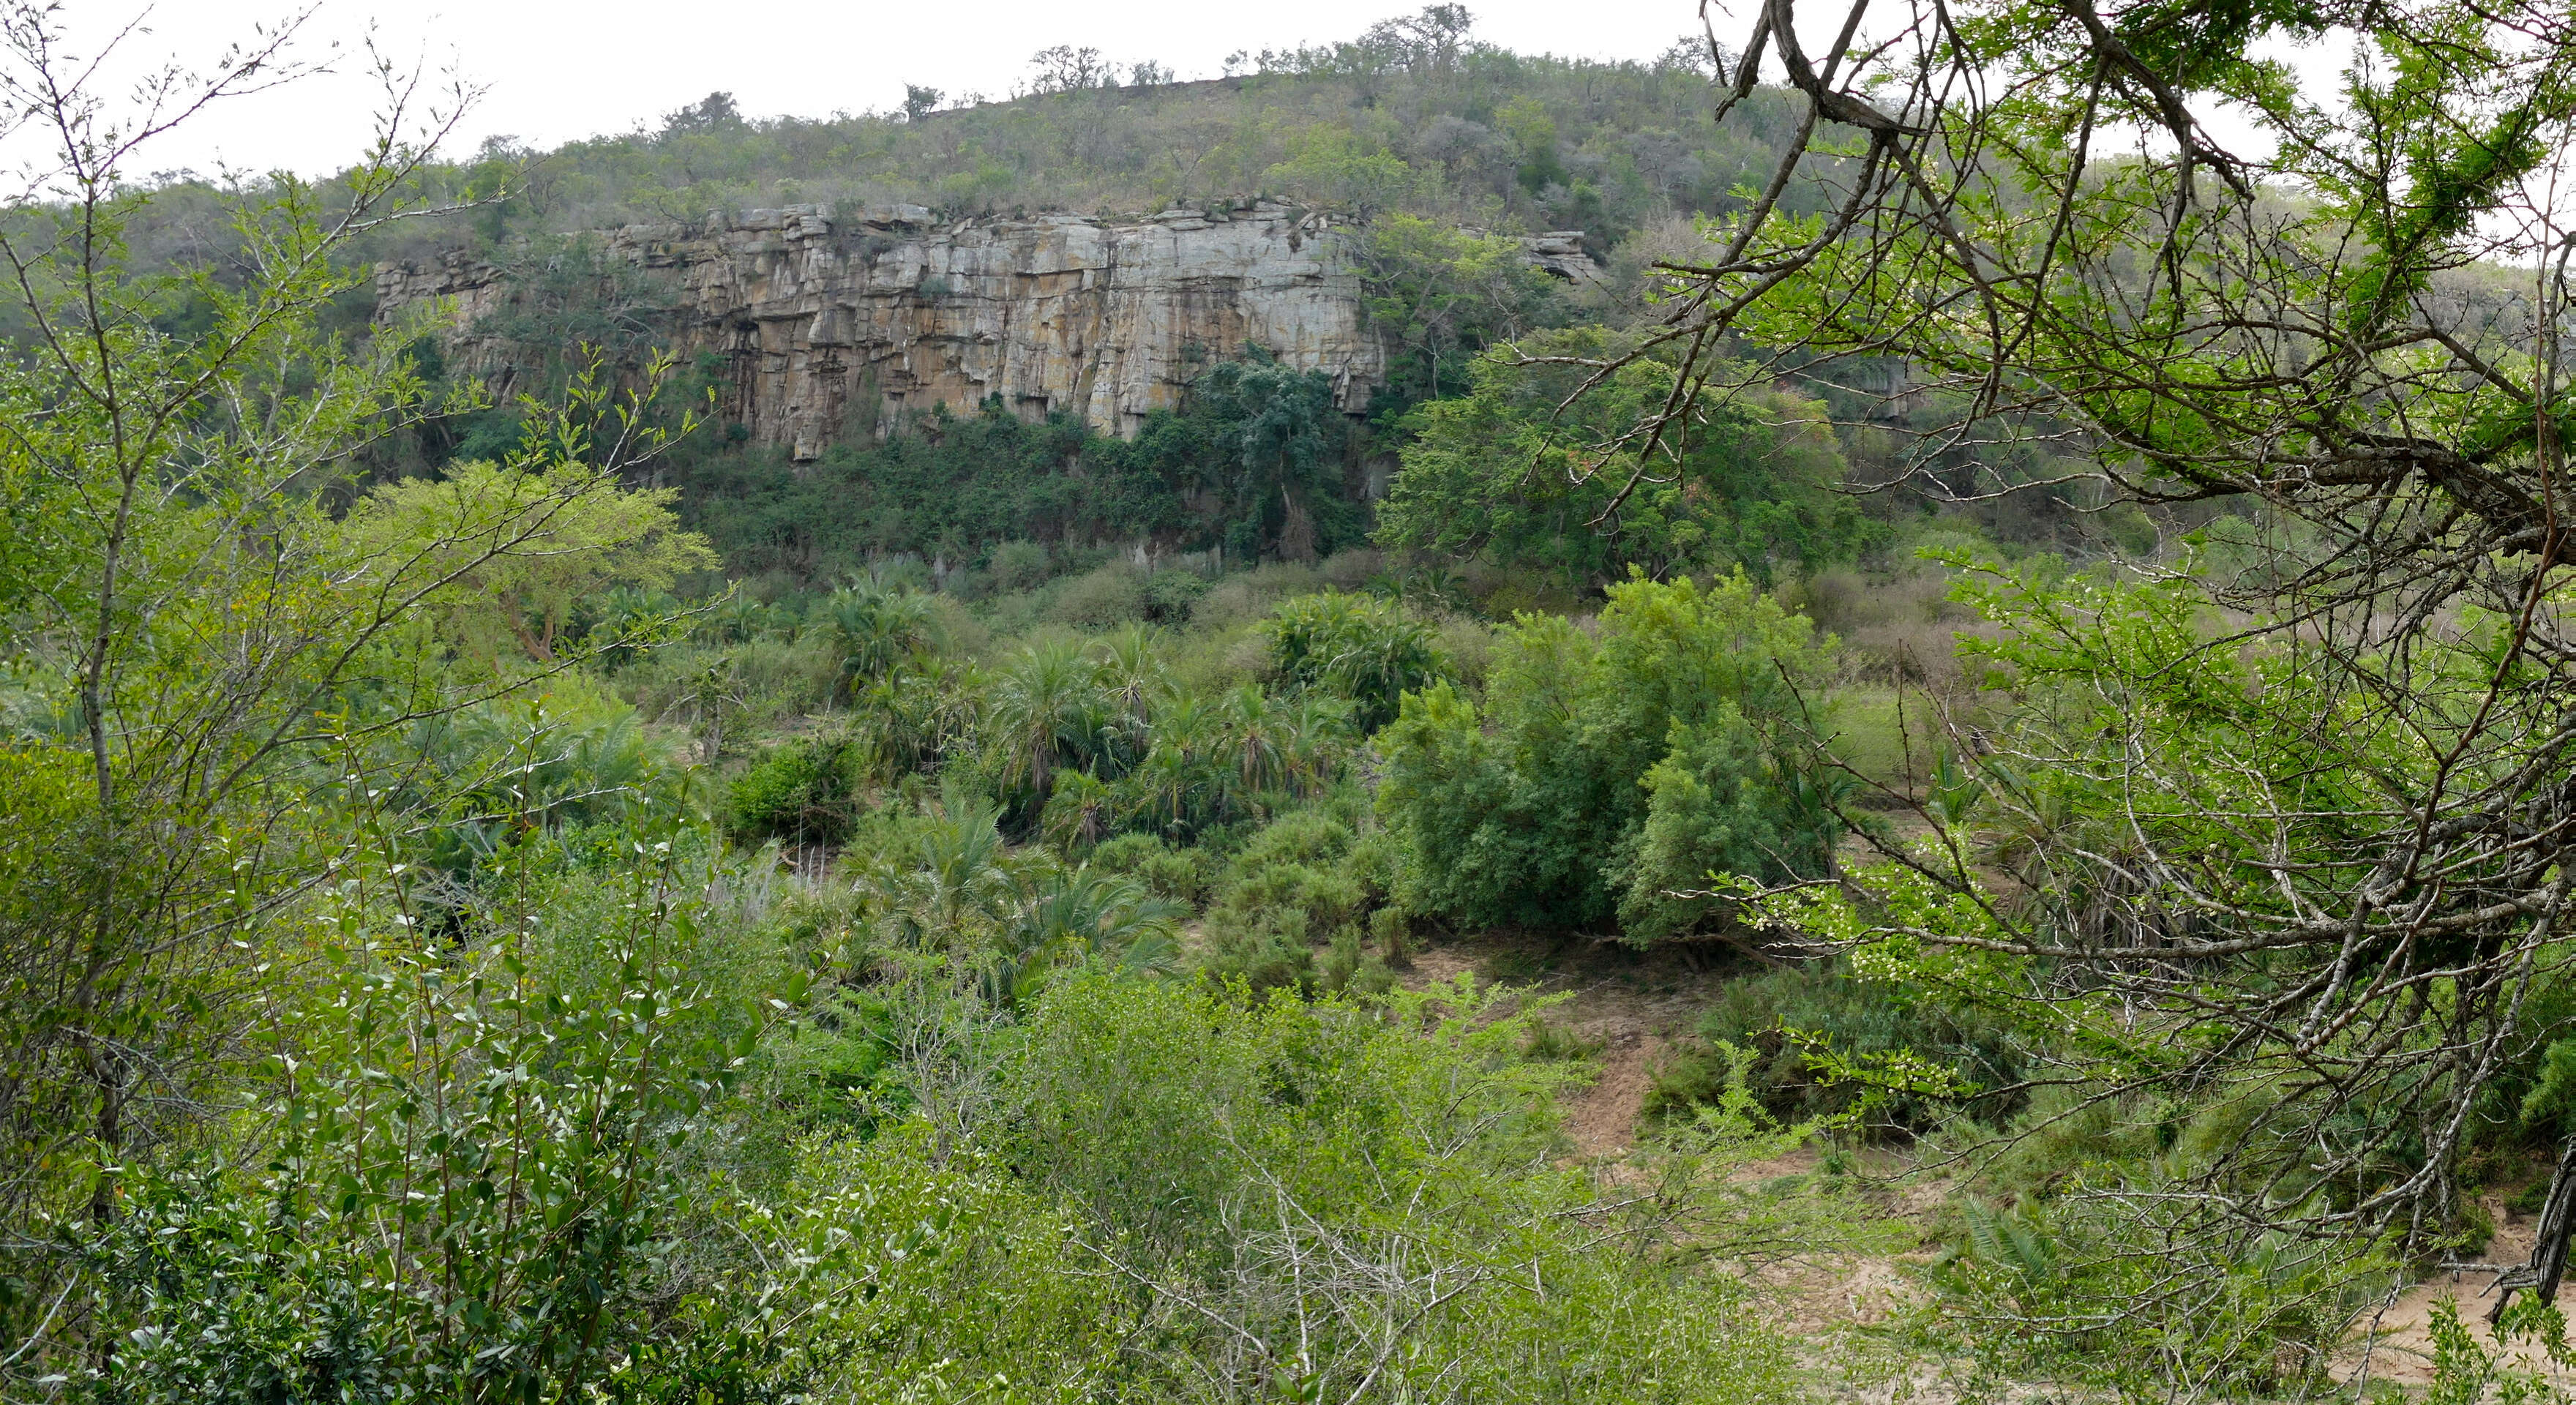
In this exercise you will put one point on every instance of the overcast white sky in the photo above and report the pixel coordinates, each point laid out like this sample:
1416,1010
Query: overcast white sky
560,69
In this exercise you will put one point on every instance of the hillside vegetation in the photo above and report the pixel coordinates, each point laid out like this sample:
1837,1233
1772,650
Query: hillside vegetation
1415,116
542,902
1436,149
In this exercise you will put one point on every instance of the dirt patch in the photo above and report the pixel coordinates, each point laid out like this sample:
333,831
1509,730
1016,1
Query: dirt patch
1630,1010
2397,1341
1814,1299
1626,1006
1602,1120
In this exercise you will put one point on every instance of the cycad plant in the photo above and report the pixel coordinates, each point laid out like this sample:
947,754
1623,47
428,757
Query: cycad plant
956,883
1181,780
1133,685
1252,733
1360,648
1082,812
739,619
924,716
878,632
1071,916
1315,734
1047,711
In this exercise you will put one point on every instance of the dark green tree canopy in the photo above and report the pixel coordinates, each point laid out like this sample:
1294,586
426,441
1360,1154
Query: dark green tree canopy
1513,470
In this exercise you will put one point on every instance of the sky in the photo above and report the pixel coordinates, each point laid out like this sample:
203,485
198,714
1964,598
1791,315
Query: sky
555,70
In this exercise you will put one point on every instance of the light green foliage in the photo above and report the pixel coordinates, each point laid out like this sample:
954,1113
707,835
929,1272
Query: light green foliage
1305,878
461,789
1080,813
465,1166
900,1274
1047,709
1178,874
1440,295
1707,811
803,791
383,1016
629,618
2523,1364
1112,595
1319,1192
946,881
1787,1034
1510,472
1362,649
2396,171
1343,169
1074,914
570,530
1600,765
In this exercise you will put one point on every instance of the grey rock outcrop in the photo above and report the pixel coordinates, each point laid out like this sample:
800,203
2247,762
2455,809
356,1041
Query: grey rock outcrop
1560,253
838,326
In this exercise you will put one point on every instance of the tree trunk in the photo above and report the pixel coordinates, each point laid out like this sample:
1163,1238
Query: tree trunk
2548,1258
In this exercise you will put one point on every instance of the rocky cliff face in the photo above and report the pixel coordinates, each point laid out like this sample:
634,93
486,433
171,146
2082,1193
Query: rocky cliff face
837,326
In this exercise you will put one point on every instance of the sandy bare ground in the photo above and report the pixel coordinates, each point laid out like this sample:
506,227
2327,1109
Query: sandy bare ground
2395,1343
1628,1005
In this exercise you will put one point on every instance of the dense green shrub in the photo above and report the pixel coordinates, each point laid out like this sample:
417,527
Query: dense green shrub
1111,595
893,1268
1787,1017
721,689
1017,566
1171,595
1609,771
1360,648
1180,875
1222,1149
1508,472
1302,880
804,791
834,1073
366,1255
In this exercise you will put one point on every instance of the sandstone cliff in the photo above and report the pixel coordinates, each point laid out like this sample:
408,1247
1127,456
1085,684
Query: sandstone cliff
832,325
838,326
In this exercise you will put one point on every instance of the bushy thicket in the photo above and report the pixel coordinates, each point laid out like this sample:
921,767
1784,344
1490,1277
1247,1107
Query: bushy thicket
804,791
1628,770
1257,462
1616,774
1507,471
1803,1024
